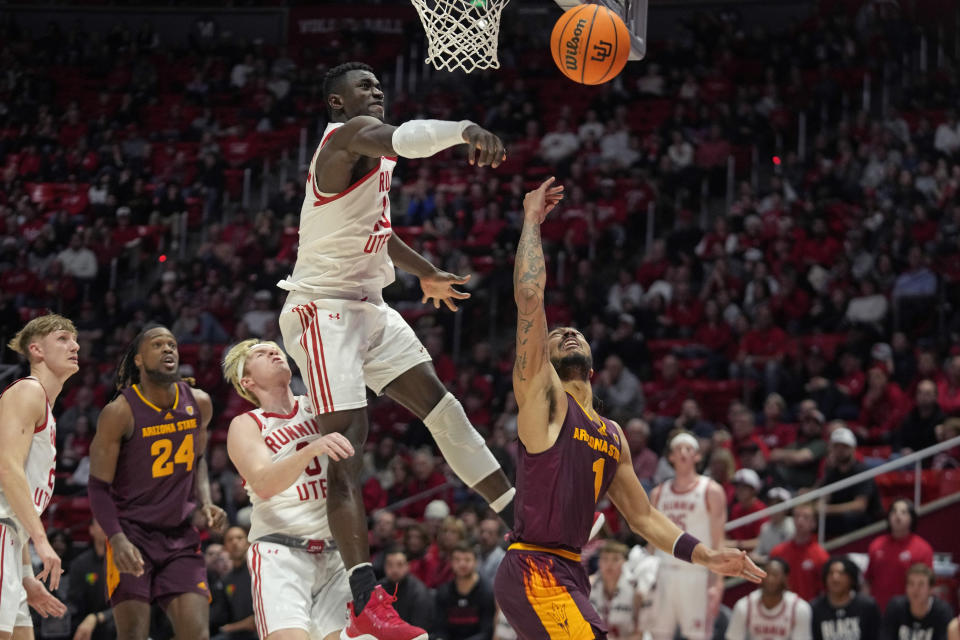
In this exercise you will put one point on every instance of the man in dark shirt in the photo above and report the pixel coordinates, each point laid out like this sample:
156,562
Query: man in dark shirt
856,506
918,429
87,596
841,613
414,602
919,615
232,612
796,465
465,606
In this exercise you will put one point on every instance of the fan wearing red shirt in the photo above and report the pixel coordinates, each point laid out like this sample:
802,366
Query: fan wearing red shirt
762,349
893,553
746,485
804,554
882,408
948,389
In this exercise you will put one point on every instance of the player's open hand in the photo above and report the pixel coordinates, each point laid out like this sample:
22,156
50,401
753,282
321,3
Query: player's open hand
334,445
126,557
484,148
41,600
735,563
215,517
541,201
51,563
438,286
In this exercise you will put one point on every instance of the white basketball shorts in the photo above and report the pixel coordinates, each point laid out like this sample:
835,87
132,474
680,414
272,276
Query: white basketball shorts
294,589
13,597
680,600
344,346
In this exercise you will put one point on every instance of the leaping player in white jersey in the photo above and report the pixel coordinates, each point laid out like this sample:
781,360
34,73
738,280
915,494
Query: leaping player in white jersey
28,437
342,335
298,582
688,596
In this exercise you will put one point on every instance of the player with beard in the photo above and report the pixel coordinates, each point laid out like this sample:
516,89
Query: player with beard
841,613
569,458
147,473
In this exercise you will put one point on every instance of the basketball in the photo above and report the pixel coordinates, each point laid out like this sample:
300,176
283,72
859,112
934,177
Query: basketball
590,44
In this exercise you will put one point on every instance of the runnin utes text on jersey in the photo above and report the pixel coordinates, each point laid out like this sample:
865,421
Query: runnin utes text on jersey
298,510
343,236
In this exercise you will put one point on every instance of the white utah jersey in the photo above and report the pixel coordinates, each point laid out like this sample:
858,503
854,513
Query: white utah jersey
300,510
619,612
789,620
687,510
40,467
343,236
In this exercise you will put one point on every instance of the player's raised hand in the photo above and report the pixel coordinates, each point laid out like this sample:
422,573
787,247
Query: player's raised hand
541,201
51,563
334,445
438,286
126,557
41,600
735,563
215,517
485,148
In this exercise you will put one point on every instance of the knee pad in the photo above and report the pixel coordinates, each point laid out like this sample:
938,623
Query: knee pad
461,445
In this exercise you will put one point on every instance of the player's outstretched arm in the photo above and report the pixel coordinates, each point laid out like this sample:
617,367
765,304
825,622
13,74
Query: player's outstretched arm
631,501
368,136
23,407
534,377
215,516
113,425
253,460
437,285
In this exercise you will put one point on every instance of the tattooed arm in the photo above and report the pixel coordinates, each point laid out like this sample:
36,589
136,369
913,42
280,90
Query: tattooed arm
535,382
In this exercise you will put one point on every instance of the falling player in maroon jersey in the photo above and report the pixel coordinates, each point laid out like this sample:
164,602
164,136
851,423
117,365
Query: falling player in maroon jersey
147,472
569,458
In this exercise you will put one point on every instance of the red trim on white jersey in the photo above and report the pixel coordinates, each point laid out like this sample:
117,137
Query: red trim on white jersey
322,200
255,419
282,416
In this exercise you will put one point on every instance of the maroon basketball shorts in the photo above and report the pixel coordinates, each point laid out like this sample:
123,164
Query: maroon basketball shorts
545,593
172,565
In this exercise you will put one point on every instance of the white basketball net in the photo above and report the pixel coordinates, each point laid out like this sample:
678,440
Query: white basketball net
461,33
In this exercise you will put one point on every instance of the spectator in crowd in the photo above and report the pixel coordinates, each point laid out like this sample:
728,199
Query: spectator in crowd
437,567
841,611
777,530
87,594
762,350
619,389
918,429
882,407
948,389
490,550
414,602
614,593
263,315
464,606
803,554
559,144
637,432
746,484
383,536
854,506
78,261
891,554
919,613
772,611
797,465
231,613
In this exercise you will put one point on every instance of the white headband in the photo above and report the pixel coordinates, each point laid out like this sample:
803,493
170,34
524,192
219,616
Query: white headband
240,366
684,438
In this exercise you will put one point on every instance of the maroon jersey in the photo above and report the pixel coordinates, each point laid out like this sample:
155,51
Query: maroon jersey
153,485
558,489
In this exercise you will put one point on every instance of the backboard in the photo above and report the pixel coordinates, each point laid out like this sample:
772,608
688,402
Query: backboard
634,14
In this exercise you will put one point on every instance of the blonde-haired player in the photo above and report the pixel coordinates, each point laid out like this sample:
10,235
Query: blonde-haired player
299,584
28,437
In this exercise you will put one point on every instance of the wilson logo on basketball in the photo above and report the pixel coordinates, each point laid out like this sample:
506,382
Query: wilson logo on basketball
573,45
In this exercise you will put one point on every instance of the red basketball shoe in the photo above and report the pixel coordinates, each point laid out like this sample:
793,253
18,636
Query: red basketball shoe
379,621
